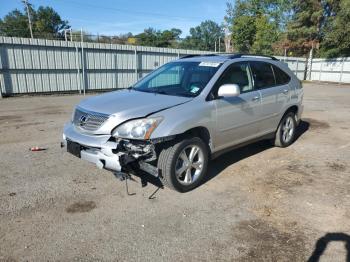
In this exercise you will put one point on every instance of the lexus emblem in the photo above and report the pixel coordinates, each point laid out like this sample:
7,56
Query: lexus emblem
82,120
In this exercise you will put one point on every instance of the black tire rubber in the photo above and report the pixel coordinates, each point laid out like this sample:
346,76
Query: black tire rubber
278,136
167,161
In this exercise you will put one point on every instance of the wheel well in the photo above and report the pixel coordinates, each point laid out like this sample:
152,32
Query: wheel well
202,133
293,109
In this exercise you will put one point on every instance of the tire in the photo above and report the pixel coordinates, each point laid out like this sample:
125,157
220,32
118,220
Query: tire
171,161
285,133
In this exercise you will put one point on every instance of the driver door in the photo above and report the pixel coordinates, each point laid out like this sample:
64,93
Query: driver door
237,118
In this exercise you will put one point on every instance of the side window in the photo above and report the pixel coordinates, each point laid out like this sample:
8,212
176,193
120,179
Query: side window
237,73
282,78
262,74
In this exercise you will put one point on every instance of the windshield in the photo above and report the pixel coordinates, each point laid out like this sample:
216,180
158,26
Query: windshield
179,78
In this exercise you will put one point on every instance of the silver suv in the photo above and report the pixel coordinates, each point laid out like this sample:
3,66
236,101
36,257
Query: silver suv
177,118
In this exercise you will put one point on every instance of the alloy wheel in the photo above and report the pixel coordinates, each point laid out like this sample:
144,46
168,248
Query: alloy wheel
189,165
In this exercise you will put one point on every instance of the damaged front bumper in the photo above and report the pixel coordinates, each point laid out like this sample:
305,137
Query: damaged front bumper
109,153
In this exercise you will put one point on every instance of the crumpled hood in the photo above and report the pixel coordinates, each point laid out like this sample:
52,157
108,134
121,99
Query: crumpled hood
128,104
131,103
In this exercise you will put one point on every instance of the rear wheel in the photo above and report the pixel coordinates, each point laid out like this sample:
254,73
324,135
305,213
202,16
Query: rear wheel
183,164
285,133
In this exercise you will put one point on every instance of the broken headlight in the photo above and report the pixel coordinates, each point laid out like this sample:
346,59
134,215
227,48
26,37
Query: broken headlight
137,129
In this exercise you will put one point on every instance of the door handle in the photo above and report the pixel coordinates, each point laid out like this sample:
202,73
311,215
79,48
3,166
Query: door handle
285,91
255,98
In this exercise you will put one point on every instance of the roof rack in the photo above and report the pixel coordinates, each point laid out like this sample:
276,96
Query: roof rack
189,56
232,56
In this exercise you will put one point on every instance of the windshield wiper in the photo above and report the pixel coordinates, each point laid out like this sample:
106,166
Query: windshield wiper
185,94
161,92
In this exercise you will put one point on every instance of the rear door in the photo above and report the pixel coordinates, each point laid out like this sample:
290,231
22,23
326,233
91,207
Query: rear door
275,94
237,116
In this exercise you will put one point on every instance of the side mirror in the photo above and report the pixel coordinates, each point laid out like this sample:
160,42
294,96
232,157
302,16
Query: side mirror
229,90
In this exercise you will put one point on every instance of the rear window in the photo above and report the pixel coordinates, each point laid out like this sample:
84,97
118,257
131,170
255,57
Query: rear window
262,74
282,78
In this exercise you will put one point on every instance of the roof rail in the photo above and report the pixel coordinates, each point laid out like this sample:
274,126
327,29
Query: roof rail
189,56
232,56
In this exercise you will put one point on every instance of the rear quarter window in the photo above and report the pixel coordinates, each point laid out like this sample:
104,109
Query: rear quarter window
262,74
282,78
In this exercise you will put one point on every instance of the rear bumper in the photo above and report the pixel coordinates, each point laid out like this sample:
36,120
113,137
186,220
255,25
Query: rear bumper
95,149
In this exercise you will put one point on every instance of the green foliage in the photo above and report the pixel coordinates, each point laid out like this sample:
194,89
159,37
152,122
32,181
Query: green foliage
152,37
304,30
46,22
266,35
336,40
203,37
256,25
15,23
272,26
243,33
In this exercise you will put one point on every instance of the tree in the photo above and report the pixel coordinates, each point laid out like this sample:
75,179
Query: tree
46,23
256,25
303,31
153,37
266,35
169,38
243,33
336,36
204,36
15,23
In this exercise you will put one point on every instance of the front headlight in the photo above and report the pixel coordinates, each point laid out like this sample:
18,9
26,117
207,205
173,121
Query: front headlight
137,129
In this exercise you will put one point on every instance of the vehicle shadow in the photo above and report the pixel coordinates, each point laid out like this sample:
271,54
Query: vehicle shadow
217,165
322,243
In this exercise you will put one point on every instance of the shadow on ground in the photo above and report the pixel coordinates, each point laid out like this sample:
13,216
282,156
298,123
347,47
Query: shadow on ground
218,165
322,243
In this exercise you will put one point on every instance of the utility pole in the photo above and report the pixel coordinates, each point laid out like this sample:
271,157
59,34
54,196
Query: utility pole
25,2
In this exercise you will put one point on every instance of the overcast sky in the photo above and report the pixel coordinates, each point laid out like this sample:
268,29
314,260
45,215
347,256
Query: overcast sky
121,16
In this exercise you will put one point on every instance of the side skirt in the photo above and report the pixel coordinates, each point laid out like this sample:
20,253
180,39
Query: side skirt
223,151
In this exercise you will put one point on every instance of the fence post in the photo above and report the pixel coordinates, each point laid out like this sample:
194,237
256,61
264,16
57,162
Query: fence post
1,70
77,66
296,69
320,73
83,61
116,70
309,64
342,70
136,62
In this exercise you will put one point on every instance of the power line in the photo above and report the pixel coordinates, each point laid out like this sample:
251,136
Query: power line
120,10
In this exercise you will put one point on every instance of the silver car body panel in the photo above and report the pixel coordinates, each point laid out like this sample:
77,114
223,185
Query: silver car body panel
123,105
230,121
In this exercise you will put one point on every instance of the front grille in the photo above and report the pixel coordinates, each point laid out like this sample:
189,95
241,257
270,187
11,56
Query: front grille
89,121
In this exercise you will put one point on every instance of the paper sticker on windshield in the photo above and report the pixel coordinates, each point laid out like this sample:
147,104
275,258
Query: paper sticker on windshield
209,64
194,89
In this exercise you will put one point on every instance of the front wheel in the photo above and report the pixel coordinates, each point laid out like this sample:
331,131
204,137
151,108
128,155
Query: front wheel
183,165
285,133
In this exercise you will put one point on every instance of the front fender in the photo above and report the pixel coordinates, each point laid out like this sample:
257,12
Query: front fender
179,119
